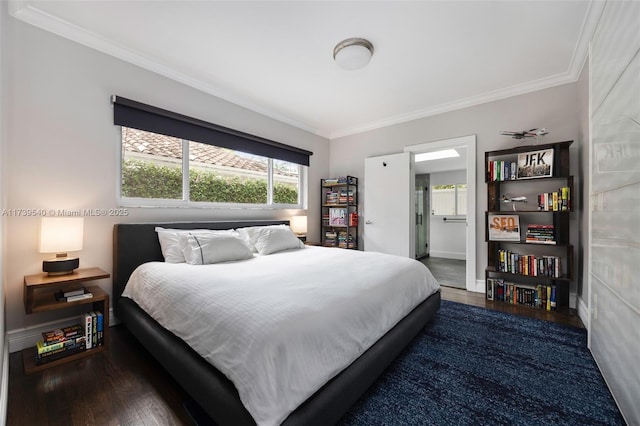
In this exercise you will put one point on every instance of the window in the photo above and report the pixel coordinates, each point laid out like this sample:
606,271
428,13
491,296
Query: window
169,159
154,167
449,200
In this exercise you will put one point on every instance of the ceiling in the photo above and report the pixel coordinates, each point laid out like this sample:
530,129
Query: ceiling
275,57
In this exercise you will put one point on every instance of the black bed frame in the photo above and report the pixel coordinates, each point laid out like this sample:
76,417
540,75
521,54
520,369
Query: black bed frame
134,244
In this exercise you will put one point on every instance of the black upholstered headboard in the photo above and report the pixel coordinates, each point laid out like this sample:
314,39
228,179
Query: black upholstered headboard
137,243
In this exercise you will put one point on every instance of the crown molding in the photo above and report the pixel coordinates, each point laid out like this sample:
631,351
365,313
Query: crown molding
27,11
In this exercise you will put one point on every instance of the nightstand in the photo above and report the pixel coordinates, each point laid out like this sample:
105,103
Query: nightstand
39,296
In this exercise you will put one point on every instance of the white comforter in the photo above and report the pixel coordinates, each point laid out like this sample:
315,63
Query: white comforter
281,326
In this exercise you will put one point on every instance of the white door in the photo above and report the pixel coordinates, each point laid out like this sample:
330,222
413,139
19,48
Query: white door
389,204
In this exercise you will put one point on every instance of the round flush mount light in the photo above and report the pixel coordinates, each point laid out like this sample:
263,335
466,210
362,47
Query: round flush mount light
353,53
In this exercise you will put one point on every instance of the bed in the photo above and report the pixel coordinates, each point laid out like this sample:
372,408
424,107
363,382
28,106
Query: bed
137,244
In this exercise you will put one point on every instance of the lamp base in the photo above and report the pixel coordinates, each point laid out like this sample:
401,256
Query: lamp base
60,265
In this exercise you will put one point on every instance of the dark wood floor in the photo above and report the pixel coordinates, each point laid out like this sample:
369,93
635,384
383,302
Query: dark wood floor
124,385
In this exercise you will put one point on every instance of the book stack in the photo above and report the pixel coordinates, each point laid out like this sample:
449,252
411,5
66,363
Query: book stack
330,238
536,296
540,234
331,197
73,294
559,200
345,197
59,343
501,170
345,240
331,181
325,219
528,264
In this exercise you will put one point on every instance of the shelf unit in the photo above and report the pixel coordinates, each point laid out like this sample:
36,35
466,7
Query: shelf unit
500,195
39,296
339,212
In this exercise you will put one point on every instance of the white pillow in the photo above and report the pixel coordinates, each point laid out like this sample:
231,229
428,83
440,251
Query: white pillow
170,241
274,239
251,233
204,249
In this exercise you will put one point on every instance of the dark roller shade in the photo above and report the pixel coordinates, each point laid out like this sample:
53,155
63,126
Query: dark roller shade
140,116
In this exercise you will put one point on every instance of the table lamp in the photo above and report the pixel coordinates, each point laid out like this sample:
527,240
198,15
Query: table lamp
298,225
61,235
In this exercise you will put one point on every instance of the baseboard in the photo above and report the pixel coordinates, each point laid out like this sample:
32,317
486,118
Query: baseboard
583,312
4,394
448,255
479,288
26,337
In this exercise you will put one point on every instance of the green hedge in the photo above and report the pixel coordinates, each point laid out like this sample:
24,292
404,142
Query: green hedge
147,180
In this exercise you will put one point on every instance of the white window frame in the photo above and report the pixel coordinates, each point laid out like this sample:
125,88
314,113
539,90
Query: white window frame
186,203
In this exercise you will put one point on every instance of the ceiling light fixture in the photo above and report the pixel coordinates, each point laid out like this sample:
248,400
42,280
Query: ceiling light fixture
437,155
353,53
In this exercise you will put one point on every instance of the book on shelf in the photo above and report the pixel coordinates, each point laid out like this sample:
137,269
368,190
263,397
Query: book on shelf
100,328
540,234
60,353
559,200
500,170
72,291
87,321
85,295
528,264
61,334
331,197
536,296
94,329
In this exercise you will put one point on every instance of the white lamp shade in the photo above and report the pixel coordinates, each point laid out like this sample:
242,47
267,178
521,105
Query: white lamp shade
298,224
61,234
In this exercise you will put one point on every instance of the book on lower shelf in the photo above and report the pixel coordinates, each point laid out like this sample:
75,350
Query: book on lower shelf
60,343
538,296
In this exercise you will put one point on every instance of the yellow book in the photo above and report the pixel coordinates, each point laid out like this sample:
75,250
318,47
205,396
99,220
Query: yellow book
548,298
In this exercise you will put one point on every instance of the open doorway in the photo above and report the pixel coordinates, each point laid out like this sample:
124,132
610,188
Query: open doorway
448,228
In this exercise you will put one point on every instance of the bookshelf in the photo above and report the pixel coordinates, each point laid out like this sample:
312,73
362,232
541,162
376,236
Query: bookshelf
39,296
339,212
530,198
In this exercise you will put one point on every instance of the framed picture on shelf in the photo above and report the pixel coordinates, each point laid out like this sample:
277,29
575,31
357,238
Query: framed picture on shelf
504,227
337,217
535,164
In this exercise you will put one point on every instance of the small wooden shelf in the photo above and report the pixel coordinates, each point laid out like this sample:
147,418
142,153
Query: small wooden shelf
39,296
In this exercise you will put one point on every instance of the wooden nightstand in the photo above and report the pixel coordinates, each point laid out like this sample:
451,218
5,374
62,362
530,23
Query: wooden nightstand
39,296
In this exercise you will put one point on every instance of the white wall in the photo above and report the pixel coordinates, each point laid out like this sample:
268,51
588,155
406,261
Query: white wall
581,182
62,147
554,108
447,239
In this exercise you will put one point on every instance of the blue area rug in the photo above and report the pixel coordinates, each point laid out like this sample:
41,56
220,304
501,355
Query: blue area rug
473,366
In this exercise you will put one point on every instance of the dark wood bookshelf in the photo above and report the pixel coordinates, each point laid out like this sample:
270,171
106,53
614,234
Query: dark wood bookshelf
529,213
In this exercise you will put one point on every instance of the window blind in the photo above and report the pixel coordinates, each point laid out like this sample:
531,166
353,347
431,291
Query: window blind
129,113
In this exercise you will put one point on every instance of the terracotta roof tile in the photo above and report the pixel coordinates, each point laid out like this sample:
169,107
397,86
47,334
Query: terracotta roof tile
139,141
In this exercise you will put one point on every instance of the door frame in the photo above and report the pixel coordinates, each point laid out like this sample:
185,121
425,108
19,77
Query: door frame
470,143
